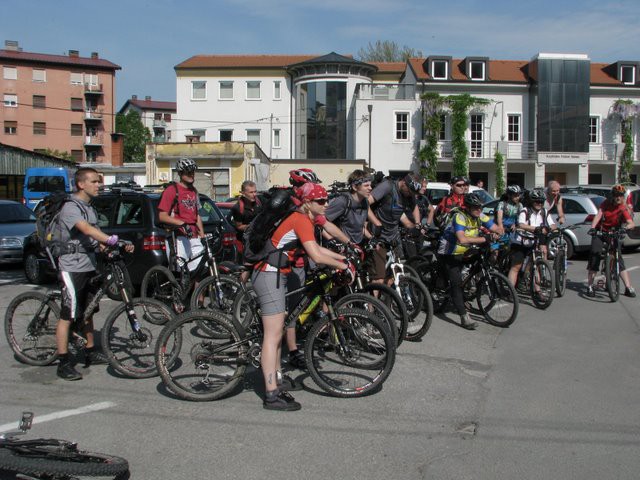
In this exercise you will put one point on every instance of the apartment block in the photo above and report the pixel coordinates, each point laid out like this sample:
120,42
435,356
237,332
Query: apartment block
156,115
58,102
552,117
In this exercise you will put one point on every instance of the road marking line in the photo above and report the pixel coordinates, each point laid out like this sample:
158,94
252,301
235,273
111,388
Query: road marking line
61,414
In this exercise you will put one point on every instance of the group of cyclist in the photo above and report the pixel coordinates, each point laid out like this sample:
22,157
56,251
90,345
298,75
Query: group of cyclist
363,216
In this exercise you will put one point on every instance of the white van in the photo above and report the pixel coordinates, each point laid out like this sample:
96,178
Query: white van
437,190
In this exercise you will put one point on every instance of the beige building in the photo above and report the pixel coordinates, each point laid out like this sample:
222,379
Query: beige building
57,102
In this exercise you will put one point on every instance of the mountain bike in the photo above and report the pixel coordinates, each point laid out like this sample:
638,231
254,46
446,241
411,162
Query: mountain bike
495,297
53,459
174,286
611,256
31,318
348,352
558,248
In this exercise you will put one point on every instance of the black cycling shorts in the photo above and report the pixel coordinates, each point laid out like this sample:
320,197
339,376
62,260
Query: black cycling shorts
77,292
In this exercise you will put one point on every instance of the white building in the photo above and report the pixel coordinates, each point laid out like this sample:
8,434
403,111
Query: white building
157,116
551,116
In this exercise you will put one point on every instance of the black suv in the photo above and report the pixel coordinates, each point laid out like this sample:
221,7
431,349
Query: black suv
133,216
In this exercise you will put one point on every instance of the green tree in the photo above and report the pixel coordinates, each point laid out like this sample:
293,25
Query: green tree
58,154
386,51
136,136
499,163
433,107
460,106
626,110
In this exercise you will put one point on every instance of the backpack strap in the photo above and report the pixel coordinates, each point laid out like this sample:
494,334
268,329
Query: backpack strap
175,204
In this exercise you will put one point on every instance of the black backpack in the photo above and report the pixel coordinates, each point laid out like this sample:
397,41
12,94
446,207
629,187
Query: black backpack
257,244
48,227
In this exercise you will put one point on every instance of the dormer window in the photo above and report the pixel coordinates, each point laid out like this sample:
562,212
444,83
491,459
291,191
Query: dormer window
628,74
476,71
440,69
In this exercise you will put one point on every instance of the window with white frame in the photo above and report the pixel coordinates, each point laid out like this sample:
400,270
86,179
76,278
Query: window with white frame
476,70
75,78
628,74
226,90
442,134
91,79
477,126
39,75
401,127
10,73
277,94
439,69
199,132
513,127
253,136
276,138
226,135
594,129
253,90
10,100
198,90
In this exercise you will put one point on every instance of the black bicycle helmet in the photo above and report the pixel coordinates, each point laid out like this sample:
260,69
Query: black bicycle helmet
536,195
514,190
459,178
413,184
472,200
186,165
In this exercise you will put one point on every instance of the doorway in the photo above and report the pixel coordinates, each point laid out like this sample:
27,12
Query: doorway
560,177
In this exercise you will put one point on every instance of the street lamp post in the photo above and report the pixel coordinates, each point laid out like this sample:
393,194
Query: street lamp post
370,108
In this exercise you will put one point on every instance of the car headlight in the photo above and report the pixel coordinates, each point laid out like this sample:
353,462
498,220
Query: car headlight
10,242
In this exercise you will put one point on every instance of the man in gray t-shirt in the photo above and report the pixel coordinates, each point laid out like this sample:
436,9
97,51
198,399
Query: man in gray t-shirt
78,228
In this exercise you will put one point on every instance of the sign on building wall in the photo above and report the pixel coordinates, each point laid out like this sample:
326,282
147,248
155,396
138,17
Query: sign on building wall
559,157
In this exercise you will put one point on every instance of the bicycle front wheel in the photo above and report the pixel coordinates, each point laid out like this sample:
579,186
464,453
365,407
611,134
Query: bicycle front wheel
392,300
206,368
60,458
130,351
350,356
210,295
371,304
560,270
160,284
419,306
30,327
541,284
497,299
612,277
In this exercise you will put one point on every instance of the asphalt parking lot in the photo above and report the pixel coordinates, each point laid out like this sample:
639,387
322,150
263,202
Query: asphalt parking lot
553,396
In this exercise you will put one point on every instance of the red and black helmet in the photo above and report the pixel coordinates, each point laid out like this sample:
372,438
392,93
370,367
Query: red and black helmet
300,176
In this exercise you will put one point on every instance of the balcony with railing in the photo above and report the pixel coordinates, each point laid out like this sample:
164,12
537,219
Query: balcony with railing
93,115
159,139
95,140
159,124
93,89
386,91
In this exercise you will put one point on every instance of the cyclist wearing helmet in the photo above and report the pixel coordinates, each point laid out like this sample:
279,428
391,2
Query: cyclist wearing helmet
270,285
462,233
389,201
613,213
553,198
180,205
459,186
531,219
508,208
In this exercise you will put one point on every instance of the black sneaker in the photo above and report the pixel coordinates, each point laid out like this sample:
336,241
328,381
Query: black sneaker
67,372
95,357
296,360
467,323
288,384
590,292
282,401
630,292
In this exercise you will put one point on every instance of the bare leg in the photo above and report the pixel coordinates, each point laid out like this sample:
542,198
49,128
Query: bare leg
62,336
624,275
271,349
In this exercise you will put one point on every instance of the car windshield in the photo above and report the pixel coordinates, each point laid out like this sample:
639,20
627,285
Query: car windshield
597,200
484,195
49,183
15,213
209,212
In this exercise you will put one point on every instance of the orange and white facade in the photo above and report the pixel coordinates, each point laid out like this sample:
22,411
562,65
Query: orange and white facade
57,102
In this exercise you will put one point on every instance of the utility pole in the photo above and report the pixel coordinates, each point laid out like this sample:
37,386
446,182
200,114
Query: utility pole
270,136
370,108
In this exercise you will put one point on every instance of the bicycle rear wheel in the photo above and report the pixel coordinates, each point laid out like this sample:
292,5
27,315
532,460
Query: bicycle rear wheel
392,300
206,368
207,295
130,352
350,356
245,306
497,299
160,284
417,298
560,271
435,282
612,277
541,284
30,327
61,459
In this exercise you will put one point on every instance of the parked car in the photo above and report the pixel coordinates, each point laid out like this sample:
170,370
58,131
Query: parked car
133,216
40,182
225,208
17,222
633,191
437,190
579,210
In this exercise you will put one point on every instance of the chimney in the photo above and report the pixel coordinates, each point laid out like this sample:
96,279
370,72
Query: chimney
117,149
134,97
12,45
74,53
147,98
94,55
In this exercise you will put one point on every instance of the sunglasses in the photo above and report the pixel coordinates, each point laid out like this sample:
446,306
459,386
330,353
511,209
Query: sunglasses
460,185
320,201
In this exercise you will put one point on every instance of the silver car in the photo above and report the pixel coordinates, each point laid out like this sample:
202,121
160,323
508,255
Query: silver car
579,210
16,223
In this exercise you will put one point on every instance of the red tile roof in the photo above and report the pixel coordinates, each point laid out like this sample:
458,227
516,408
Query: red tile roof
153,104
390,67
57,59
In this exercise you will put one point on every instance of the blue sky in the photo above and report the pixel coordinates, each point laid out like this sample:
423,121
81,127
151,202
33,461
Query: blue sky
148,38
